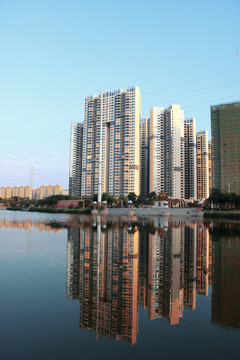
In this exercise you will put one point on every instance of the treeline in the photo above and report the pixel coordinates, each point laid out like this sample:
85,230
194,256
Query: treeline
225,200
17,203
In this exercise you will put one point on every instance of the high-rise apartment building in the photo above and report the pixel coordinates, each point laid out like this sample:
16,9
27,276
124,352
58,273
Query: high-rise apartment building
210,165
119,112
21,191
166,133
28,192
8,192
75,169
144,168
14,191
2,192
202,165
190,157
225,123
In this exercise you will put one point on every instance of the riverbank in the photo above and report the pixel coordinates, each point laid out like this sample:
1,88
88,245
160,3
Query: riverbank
223,214
176,212
54,210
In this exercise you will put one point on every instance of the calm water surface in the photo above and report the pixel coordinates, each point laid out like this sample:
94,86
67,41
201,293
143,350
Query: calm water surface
118,288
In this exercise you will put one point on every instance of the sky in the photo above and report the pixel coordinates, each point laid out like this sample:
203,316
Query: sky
53,53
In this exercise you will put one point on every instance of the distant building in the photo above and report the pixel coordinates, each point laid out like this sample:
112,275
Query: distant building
190,157
202,165
225,123
166,133
3,192
14,191
144,167
21,191
76,151
29,192
8,192
65,192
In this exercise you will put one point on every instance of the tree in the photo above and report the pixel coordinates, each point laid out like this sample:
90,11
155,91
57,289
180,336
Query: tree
132,197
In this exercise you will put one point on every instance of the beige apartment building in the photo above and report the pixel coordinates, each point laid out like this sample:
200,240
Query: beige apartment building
120,113
29,192
202,165
166,131
21,191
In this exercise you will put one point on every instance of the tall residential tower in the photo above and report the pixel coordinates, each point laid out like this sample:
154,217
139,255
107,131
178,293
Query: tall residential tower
144,169
225,122
119,112
75,169
190,158
166,133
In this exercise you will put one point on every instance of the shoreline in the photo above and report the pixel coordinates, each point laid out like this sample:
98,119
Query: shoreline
144,212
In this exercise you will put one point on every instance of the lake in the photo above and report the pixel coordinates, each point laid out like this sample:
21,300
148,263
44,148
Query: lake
118,287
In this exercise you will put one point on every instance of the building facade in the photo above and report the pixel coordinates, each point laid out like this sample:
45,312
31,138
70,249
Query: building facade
144,168
166,133
119,111
210,165
75,168
202,165
190,157
225,124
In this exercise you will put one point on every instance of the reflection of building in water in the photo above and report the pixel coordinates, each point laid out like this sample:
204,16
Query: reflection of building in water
202,259
226,280
210,260
190,248
143,269
73,258
166,274
26,225
108,284
113,271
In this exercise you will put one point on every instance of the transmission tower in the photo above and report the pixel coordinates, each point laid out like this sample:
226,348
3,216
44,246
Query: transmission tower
32,169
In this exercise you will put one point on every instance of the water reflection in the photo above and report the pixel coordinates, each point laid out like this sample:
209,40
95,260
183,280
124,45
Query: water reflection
226,276
27,224
117,266
115,269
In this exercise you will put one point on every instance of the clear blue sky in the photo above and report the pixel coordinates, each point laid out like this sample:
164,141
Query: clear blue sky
55,52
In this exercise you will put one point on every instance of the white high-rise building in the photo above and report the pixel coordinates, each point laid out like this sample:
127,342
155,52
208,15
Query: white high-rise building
144,168
167,151
190,158
120,114
157,150
75,169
